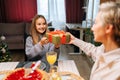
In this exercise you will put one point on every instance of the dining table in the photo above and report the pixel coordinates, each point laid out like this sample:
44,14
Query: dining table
63,66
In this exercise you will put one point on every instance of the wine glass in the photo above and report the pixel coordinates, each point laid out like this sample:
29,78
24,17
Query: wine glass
51,58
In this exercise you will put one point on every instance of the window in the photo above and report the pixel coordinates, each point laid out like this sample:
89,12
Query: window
42,8
53,10
93,6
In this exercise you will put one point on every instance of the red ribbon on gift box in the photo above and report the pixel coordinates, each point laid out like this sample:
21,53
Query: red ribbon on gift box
63,39
57,32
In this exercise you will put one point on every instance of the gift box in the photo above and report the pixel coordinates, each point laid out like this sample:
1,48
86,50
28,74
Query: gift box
58,37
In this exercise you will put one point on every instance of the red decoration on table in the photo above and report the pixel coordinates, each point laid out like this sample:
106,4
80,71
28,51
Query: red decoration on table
15,75
32,65
33,76
19,74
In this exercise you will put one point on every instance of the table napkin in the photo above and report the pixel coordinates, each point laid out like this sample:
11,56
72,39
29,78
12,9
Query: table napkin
8,66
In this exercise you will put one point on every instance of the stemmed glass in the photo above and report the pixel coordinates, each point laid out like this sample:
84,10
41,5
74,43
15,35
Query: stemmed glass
51,58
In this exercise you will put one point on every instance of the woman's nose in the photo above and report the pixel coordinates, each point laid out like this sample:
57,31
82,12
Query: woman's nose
42,25
92,28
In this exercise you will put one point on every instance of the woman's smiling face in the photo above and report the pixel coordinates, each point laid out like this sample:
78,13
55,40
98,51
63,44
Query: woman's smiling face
41,25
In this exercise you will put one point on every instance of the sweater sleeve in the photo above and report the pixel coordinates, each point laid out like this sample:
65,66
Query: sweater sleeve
33,51
51,47
88,48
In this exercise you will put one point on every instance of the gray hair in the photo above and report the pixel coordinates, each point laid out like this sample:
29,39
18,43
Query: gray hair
110,14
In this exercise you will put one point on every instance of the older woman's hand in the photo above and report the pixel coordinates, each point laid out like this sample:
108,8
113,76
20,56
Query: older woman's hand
43,41
71,38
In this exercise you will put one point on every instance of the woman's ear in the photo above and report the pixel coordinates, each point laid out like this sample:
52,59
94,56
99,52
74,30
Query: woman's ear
109,28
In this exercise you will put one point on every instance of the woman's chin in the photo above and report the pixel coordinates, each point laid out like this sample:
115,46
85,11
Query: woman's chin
96,40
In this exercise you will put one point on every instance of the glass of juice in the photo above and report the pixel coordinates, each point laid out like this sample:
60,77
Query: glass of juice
51,57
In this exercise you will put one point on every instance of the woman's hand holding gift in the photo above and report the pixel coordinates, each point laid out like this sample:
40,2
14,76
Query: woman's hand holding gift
71,38
43,41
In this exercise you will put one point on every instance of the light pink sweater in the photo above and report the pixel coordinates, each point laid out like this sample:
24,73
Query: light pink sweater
106,66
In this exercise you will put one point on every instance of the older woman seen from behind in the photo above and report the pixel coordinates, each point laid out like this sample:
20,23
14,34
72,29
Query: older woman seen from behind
106,30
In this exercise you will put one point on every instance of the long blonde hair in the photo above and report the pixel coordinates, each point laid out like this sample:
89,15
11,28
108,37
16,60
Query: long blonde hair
34,33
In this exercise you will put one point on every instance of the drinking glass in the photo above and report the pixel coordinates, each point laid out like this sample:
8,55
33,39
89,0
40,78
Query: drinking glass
51,57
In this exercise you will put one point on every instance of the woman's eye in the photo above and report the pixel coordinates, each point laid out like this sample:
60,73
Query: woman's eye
39,24
44,23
